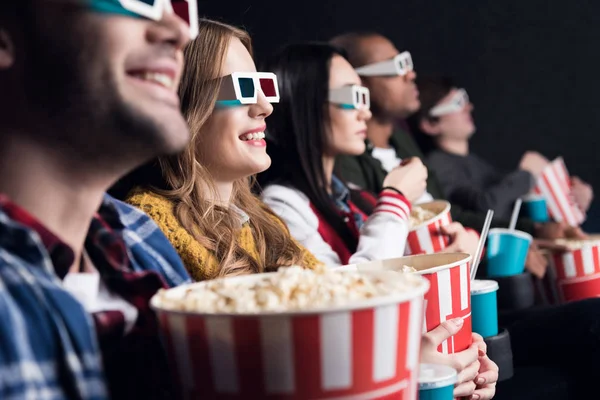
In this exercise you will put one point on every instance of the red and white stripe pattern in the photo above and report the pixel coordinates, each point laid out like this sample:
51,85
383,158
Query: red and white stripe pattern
393,203
427,239
577,263
346,355
554,185
448,297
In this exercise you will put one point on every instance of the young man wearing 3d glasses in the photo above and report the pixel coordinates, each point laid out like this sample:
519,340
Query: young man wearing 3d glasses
445,126
89,91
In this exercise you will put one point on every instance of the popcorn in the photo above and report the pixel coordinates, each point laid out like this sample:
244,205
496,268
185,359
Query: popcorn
575,244
289,289
418,215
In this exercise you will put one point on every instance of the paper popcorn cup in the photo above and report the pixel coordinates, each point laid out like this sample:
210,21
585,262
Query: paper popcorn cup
574,274
579,288
582,260
425,237
449,294
359,351
554,185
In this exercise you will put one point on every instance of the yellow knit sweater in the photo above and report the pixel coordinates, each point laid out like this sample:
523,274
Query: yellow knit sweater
199,261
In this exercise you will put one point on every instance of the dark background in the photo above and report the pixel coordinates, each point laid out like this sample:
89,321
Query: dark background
530,66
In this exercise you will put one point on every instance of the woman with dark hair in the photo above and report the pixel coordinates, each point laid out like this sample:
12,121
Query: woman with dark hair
322,112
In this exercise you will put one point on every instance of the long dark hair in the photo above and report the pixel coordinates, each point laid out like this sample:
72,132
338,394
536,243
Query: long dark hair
432,89
296,131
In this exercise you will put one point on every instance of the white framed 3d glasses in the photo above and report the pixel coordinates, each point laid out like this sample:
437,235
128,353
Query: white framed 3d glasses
242,88
351,97
187,10
456,103
401,65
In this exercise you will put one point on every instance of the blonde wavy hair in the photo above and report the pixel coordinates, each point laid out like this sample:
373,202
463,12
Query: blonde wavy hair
216,227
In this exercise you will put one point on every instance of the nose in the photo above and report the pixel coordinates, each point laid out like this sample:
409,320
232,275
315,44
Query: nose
262,108
170,29
364,114
410,75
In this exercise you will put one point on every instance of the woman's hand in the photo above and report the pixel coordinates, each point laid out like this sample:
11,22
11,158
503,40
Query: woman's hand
466,363
461,240
487,377
410,178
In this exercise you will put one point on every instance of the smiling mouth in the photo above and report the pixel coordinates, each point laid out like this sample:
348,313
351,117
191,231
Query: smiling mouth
252,136
157,78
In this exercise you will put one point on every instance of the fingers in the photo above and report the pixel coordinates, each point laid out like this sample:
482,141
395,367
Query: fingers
486,392
453,229
481,344
463,360
464,389
488,372
469,373
442,332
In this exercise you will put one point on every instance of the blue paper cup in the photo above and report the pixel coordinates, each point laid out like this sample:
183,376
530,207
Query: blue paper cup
484,307
436,382
506,252
535,208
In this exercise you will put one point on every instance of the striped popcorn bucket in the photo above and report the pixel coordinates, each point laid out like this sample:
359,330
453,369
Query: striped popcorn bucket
426,238
449,294
576,272
554,184
369,350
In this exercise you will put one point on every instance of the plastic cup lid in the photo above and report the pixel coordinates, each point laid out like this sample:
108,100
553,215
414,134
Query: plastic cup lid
533,197
505,231
483,286
433,376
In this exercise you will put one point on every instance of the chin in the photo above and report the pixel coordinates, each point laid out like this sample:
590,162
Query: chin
356,150
261,166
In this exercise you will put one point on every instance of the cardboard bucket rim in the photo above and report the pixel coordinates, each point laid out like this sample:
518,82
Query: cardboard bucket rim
398,262
395,298
439,216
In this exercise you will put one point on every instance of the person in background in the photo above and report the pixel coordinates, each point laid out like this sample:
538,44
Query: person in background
390,76
88,93
445,124
323,112
201,198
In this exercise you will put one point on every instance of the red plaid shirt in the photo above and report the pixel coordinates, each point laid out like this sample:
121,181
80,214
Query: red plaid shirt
135,364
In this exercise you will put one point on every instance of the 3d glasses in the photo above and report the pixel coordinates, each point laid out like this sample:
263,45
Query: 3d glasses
456,103
187,10
242,88
399,65
351,97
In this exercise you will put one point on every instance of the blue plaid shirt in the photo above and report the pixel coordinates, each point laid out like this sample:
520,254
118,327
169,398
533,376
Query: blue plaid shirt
49,345
340,194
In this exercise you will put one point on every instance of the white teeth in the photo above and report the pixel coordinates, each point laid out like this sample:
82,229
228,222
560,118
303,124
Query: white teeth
157,77
253,136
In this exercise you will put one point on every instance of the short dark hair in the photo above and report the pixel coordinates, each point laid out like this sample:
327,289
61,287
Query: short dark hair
296,131
432,89
351,44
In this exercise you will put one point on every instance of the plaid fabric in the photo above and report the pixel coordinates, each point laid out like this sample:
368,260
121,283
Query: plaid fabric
50,347
340,194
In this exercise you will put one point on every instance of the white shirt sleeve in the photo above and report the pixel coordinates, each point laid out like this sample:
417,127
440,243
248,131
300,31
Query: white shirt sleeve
382,236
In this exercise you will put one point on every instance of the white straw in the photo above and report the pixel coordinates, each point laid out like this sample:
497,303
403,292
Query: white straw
515,215
482,239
